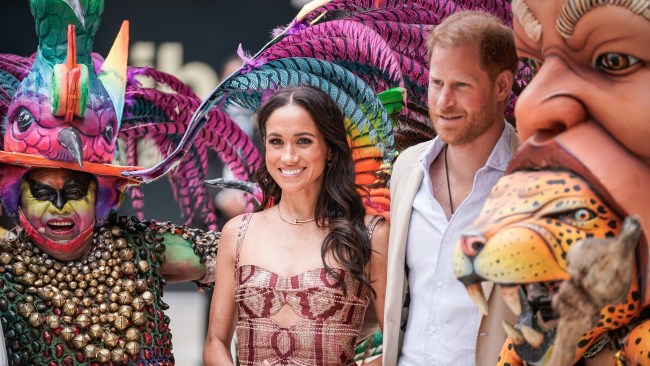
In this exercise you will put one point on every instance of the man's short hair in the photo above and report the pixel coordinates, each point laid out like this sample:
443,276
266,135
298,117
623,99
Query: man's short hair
496,41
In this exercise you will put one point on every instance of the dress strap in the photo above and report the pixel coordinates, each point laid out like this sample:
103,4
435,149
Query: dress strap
373,224
243,226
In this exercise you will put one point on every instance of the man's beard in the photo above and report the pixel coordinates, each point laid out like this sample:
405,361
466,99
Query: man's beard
473,126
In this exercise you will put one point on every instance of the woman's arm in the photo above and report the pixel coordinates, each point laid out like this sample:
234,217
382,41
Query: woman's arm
223,311
378,262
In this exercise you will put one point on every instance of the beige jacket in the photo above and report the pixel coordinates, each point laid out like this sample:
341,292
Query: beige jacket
407,175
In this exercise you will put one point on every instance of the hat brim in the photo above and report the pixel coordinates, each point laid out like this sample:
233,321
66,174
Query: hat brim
35,161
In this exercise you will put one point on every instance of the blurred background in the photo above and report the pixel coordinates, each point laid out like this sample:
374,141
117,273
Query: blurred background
192,40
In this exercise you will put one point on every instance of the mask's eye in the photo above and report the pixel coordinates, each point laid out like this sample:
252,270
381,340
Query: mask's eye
24,120
533,64
576,217
108,134
615,63
582,214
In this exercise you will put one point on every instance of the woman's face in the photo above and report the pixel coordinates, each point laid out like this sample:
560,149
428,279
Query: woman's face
296,151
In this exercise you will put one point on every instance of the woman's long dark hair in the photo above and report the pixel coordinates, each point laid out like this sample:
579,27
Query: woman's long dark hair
338,206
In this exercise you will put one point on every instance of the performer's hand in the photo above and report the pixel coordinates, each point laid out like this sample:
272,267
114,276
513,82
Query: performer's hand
266,363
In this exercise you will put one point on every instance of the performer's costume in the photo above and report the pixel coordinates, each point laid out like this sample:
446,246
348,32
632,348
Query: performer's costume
554,233
65,114
95,296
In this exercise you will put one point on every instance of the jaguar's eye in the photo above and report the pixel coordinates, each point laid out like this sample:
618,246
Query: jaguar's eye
108,133
582,214
24,120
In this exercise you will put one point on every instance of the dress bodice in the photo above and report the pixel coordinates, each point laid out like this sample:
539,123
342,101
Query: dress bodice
332,311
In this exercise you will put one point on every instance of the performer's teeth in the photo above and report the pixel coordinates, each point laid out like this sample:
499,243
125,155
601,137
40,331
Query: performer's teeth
513,333
533,337
510,295
476,294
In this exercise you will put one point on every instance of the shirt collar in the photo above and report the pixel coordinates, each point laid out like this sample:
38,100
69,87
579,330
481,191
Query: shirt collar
498,159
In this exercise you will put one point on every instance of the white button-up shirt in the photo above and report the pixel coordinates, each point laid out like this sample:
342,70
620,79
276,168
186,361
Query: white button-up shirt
443,322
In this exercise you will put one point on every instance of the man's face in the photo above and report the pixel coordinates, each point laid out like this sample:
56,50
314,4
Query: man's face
592,67
60,205
462,102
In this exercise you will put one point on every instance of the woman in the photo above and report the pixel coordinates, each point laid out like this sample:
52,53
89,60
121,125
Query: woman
302,269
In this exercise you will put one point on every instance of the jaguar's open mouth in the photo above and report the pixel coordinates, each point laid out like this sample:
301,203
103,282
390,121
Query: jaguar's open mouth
535,331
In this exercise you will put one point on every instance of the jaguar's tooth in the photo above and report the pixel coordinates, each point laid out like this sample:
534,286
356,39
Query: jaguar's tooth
510,295
476,294
513,333
533,337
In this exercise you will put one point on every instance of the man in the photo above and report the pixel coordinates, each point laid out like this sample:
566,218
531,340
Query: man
438,187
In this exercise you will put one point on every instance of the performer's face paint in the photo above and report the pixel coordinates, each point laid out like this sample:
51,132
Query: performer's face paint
60,206
592,65
296,151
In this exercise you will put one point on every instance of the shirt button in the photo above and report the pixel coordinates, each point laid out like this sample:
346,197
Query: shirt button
447,239
481,173
433,329
439,283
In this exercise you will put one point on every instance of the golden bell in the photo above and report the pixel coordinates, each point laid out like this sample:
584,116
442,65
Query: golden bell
125,298
137,303
129,285
132,334
96,331
132,348
138,318
58,300
116,232
83,321
36,320
148,297
143,266
79,341
67,334
126,254
69,308
103,355
90,351
117,355
121,322
125,311
110,339
53,321
26,309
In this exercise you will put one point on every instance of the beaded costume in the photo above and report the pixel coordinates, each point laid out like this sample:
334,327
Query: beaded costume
332,317
102,308
77,285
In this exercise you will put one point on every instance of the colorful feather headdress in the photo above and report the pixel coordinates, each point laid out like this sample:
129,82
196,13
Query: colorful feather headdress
354,51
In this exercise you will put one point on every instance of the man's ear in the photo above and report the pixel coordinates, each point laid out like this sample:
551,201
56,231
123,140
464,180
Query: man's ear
503,85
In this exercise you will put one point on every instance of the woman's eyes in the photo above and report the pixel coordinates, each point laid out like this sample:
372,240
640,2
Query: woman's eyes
300,141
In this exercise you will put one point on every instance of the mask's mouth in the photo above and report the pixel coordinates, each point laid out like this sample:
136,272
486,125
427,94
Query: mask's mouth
535,331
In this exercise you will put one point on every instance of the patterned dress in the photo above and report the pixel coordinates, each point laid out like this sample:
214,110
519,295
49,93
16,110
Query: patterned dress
326,335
